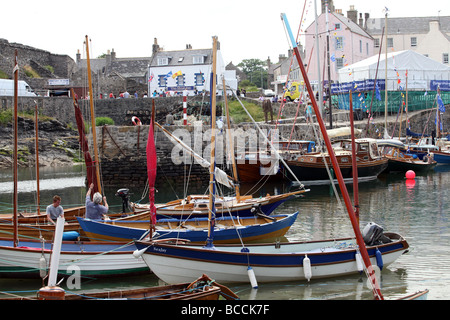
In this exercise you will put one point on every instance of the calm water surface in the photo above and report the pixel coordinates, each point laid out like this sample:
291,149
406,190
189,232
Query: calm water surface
419,211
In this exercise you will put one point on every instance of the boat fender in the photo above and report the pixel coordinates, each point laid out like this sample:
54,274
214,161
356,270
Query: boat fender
251,276
70,235
307,267
136,121
138,253
379,259
42,267
359,263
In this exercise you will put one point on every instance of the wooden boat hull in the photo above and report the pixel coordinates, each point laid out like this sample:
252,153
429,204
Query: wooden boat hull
403,166
312,173
204,288
28,231
441,157
227,230
270,262
197,206
91,259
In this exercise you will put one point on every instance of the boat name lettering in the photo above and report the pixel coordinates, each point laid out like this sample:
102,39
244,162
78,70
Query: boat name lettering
159,249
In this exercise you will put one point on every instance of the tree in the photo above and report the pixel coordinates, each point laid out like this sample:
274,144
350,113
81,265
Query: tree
255,70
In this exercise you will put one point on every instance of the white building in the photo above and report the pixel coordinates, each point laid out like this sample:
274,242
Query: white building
429,36
190,69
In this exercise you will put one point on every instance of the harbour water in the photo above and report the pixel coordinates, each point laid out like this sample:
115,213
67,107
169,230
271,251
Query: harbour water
419,210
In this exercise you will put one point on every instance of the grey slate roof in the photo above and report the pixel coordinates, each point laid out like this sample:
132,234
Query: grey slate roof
408,25
183,57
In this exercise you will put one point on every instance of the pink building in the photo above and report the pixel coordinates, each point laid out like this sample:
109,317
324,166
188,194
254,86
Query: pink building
348,43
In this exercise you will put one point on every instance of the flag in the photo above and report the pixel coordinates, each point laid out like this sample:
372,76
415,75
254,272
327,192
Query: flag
440,103
176,74
333,58
169,74
151,77
377,92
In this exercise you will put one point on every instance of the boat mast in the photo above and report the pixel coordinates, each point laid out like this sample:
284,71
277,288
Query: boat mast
356,230
385,74
318,63
330,109
16,88
212,187
37,157
231,144
94,133
354,164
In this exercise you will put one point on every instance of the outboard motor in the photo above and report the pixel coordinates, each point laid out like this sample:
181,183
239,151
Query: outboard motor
373,234
257,211
124,194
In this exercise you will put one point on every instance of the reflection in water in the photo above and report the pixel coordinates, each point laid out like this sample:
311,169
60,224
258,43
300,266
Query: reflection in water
417,210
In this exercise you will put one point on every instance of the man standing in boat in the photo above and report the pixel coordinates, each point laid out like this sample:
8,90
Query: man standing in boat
55,210
94,209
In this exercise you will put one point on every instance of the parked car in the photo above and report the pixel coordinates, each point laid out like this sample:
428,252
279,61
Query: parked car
269,93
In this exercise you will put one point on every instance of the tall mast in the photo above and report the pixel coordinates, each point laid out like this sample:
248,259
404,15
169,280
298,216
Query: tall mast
94,132
330,109
16,88
319,80
37,157
212,208
231,144
386,72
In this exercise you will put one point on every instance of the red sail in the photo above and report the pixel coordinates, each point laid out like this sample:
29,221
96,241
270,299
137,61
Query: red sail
90,166
151,172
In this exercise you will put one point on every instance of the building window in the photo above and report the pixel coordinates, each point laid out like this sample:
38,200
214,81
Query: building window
376,43
445,58
339,63
339,45
390,42
199,79
413,42
163,61
198,59
367,48
180,80
162,80
337,26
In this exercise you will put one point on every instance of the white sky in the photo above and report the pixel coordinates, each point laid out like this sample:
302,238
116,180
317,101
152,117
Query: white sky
245,28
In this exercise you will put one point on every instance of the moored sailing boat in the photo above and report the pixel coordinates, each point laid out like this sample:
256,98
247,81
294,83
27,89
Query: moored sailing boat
275,262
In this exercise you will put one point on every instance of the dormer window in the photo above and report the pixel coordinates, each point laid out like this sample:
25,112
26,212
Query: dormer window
198,59
164,61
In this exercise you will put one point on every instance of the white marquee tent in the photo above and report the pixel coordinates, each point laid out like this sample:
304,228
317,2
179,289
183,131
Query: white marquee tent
421,70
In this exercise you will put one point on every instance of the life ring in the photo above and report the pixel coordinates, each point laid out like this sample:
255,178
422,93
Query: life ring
136,121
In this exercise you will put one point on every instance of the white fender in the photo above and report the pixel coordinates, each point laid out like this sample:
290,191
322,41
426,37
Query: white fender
251,276
307,267
359,263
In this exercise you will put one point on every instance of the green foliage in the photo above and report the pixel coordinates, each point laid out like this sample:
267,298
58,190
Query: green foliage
256,71
101,121
5,117
238,114
3,75
50,68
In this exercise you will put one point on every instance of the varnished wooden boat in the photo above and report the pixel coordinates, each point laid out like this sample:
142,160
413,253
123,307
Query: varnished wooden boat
312,167
204,288
400,160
